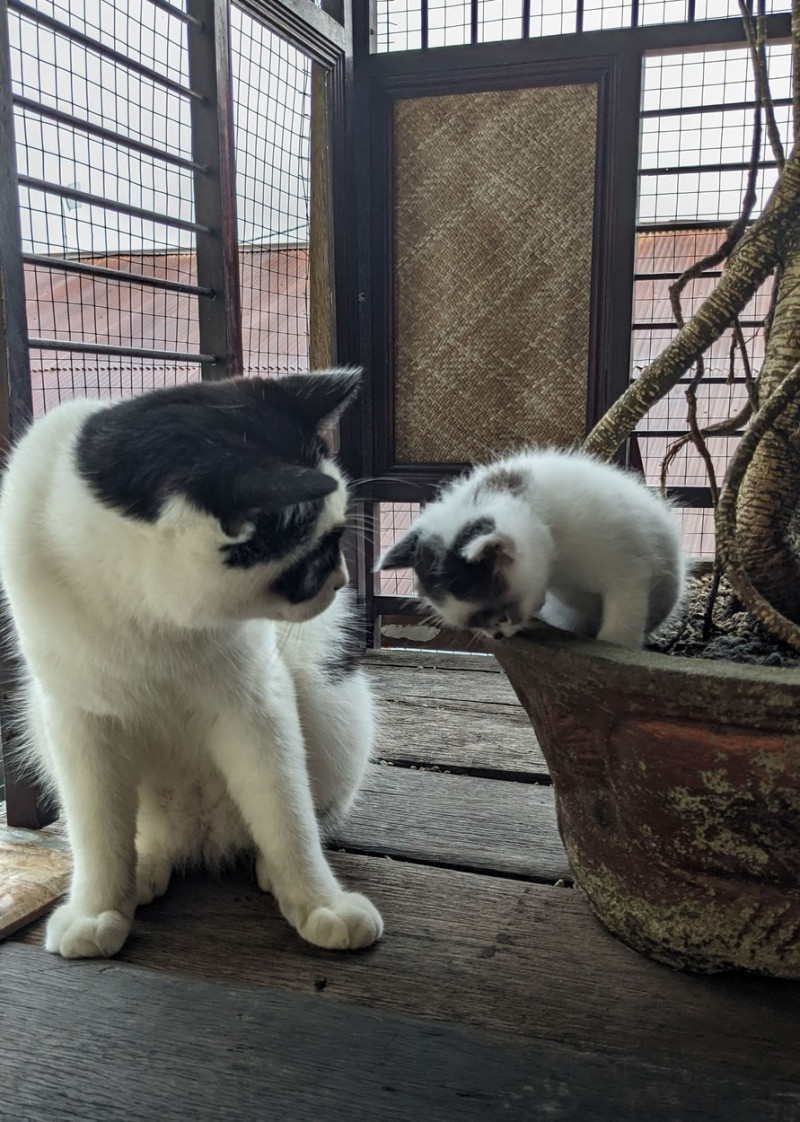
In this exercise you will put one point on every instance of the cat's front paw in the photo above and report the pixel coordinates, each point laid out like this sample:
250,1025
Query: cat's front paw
348,923
74,933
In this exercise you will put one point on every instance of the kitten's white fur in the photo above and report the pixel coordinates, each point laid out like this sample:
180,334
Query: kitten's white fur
581,544
171,704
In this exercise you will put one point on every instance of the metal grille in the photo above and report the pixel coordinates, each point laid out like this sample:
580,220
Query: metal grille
102,120
395,518
410,24
272,114
697,114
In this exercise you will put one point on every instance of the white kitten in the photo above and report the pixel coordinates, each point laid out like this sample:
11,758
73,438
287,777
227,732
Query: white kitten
579,543
159,557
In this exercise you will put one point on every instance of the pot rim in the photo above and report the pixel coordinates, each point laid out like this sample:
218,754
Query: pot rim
541,635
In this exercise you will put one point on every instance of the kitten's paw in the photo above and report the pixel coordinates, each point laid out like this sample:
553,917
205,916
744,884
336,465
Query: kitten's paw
350,922
152,877
73,933
262,875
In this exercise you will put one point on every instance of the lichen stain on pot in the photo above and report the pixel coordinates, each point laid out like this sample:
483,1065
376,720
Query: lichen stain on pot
716,800
700,926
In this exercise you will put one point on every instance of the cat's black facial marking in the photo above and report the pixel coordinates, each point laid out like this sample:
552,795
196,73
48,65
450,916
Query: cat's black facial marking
273,537
471,531
305,578
429,560
445,572
239,450
403,554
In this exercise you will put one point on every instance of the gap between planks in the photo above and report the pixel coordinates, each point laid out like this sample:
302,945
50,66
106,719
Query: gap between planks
457,821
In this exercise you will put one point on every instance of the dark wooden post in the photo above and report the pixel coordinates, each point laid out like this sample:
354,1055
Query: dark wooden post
25,805
215,186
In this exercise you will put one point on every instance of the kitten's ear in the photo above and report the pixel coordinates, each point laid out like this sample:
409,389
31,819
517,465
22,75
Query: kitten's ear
495,546
280,485
402,555
323,396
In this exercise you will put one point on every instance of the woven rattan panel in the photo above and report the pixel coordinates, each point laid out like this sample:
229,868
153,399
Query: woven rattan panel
493,243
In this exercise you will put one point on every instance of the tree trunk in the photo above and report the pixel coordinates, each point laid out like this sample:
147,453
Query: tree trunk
768,510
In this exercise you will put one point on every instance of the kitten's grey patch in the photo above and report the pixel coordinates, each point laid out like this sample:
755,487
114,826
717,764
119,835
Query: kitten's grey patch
430,568
471,531
504,479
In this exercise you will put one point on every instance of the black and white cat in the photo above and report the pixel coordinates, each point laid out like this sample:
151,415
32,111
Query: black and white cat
173,570
558,535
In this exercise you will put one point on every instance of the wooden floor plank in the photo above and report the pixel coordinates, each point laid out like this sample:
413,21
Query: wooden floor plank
501,956
397,682
470,735
34,872
123,1042
434,660
457,820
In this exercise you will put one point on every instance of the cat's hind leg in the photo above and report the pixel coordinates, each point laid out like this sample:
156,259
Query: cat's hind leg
154,848
625,609
337,715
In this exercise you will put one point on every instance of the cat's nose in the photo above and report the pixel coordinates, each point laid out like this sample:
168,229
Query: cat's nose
340,577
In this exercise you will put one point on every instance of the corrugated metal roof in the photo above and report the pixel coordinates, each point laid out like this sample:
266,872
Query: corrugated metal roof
72,306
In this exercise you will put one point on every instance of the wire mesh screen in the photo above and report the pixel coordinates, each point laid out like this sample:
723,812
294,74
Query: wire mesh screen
98,141
102,110
272,113
394,519
410,24
697,127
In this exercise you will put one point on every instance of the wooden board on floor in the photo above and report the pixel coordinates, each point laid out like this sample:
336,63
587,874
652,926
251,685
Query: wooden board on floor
439,660
465,735
34,872
124,1042
453,711
397,682
457,820
501,956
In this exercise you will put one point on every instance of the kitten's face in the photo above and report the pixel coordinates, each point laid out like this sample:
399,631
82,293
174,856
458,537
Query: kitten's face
239,503
472,574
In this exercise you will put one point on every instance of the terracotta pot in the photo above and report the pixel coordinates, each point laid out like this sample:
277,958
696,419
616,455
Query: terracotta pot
677,784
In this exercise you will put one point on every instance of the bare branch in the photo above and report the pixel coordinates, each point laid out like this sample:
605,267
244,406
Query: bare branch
756,39
727,545
719,428
750,263
750,384
734,232
708,614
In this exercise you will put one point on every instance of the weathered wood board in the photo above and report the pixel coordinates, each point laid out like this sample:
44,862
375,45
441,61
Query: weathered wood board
498,955
466,735
128,1043
457,820
34,872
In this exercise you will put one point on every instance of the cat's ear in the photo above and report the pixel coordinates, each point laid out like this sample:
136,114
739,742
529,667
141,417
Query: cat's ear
320,398
497,547
402,555
278,486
